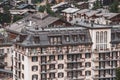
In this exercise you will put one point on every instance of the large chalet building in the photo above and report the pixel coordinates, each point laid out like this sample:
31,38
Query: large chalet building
48,48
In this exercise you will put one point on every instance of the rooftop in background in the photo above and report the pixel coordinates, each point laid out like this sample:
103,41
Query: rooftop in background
70,10
93,25
83,11
79,3
58,5
26,6
35,20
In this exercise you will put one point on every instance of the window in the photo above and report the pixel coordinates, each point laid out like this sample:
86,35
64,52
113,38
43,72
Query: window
43,76
34,59
87,73
67,38
60,57
36,40
55,40
34,77
60,75
82,37
43,68
34,68
22,58
15,54
60,66
52,58
43,59
101,37
52,40
87,64
19,57
105,36
87,55
52,75
22,66
8,50
75,38
1,51
52,67
97,37
22,75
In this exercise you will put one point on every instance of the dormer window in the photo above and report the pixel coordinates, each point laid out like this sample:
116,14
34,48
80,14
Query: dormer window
82,37
67,38
55,40
36,39
75,38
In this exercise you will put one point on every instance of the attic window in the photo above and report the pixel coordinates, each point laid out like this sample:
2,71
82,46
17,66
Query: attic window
75,38
36,39
55,40
82,37
67,38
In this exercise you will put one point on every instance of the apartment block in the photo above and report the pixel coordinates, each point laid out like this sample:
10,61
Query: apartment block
48,48
5,57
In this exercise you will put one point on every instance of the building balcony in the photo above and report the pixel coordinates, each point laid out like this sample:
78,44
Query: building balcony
52,62
103,68
48,62
51,70
48,71
102,51
103,76
82,77
75,60
106,59
43,71
75,69
79,51
47,53
52,78
115,49
33,54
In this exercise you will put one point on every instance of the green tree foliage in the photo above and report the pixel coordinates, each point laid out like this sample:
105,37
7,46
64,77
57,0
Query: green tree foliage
97,5
49,11
17,17
117,74
41,8
5,18
114,6
36,1
47,8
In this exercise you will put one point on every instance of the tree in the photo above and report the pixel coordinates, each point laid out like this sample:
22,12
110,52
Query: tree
17,17
41,8
47,8
117,74
97,5
49,11
114,6
5,18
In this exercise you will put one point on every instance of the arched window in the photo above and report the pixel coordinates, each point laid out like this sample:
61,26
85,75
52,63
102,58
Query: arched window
97,37
105,37
101,37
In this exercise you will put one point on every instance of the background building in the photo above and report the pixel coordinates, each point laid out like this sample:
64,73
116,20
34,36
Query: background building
47,48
